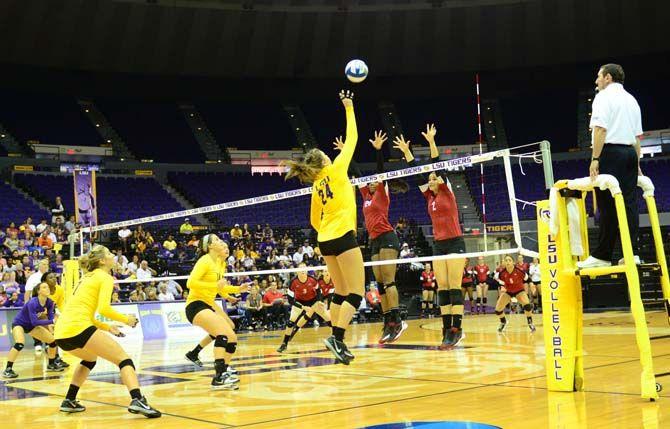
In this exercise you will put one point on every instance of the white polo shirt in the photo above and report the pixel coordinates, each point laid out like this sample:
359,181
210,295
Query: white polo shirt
615,110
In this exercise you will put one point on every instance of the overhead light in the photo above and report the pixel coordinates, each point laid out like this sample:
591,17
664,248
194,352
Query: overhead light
86,110
589,99
109,141
123,159
97,125
494,136
218,160
297,129
291,114
199,129
2,135
192,115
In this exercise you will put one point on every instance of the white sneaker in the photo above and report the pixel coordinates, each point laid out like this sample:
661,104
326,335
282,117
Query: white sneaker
38,349
635,258
592,262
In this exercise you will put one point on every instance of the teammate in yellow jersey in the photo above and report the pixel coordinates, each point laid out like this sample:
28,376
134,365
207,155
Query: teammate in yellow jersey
205,282
58,297
333,215
79,333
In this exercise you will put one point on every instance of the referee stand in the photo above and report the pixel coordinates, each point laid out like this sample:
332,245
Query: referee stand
561,284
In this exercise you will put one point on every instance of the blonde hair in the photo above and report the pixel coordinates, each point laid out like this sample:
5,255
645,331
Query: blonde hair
91,260
307,168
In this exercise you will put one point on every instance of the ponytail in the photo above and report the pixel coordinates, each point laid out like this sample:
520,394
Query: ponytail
305,169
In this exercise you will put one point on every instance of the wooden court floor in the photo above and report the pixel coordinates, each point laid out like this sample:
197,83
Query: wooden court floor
494,379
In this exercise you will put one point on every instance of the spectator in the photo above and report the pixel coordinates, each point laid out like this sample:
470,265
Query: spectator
151,294
170,244
144,272
236,232
309,250
284,257
246,233
174,288
405,251
124,235
134,296
248,262
186,228
39,229
255,309
57,211
36,278
287,241
3,296
298,256
51,235
57,265
134,265
27,226
45,242
70,224
273,258
139,292
11,242
258,233
165,294
273,302
9,284
374,299
12,229
14,301
193,242
267,231
115,298
121,260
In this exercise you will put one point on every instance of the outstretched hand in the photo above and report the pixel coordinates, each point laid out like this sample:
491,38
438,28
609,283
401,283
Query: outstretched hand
401,144
338,143
378,141
430,133
347,98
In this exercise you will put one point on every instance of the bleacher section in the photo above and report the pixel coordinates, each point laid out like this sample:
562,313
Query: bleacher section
119,198
17,208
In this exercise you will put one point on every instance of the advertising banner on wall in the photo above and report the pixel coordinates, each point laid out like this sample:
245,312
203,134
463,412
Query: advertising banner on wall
85,198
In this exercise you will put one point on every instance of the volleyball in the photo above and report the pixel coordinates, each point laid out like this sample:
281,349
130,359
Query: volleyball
356,71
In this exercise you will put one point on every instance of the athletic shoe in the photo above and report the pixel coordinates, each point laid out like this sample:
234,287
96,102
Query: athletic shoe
337,349
54,367
592,262
71,406
231,370
38,349
452,338
60,362
387,332
502,327
347,353
225,382
194,359
9,373
141,406
531,327
282,348
397,330
635,258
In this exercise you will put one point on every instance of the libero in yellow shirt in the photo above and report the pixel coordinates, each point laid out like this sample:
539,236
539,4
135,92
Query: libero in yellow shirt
203,282
333,210
92,294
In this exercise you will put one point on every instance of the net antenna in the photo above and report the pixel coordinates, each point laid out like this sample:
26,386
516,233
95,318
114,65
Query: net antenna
481,166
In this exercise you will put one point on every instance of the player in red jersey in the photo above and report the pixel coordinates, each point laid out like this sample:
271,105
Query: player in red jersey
468,284
482,273
384,243
523,266
428,290
443,211
512,281
327,288
304,295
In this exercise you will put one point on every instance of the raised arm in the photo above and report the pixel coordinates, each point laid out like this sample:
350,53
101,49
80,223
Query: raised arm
429,135
344,158
377,143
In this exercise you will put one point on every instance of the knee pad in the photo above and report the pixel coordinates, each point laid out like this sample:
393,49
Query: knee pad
19,346
443,298
498,313
528,307
456,296
290,324
53,345
338,299
354,300
212,337
381,288
126,362
90,365
388,285
220,341
231,347
296,304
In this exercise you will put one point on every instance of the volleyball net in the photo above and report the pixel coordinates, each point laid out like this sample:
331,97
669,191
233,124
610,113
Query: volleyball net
509,175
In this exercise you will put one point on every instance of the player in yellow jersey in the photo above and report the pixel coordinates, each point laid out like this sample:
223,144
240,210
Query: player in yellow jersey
58,297
333,215
78,332
205,282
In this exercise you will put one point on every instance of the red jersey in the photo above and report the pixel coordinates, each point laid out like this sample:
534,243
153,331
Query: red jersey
467,275
482,272
376,210
513,282
443,212
326,288
304,292
523,266
270,297
427,280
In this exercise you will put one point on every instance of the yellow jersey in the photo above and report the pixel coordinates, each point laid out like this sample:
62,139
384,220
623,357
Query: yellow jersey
203,282
58,297
92,294
333,210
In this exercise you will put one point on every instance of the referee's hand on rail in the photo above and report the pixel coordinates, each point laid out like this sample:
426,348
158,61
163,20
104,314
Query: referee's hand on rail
593,169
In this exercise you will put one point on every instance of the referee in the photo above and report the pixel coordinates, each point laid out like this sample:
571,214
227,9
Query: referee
617,126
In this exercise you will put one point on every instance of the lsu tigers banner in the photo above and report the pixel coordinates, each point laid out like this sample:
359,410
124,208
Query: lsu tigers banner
85,198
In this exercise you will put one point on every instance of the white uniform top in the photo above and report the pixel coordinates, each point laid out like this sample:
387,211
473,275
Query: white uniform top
615,110
534,271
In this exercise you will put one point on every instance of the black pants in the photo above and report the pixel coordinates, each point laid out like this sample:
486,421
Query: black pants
621,162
